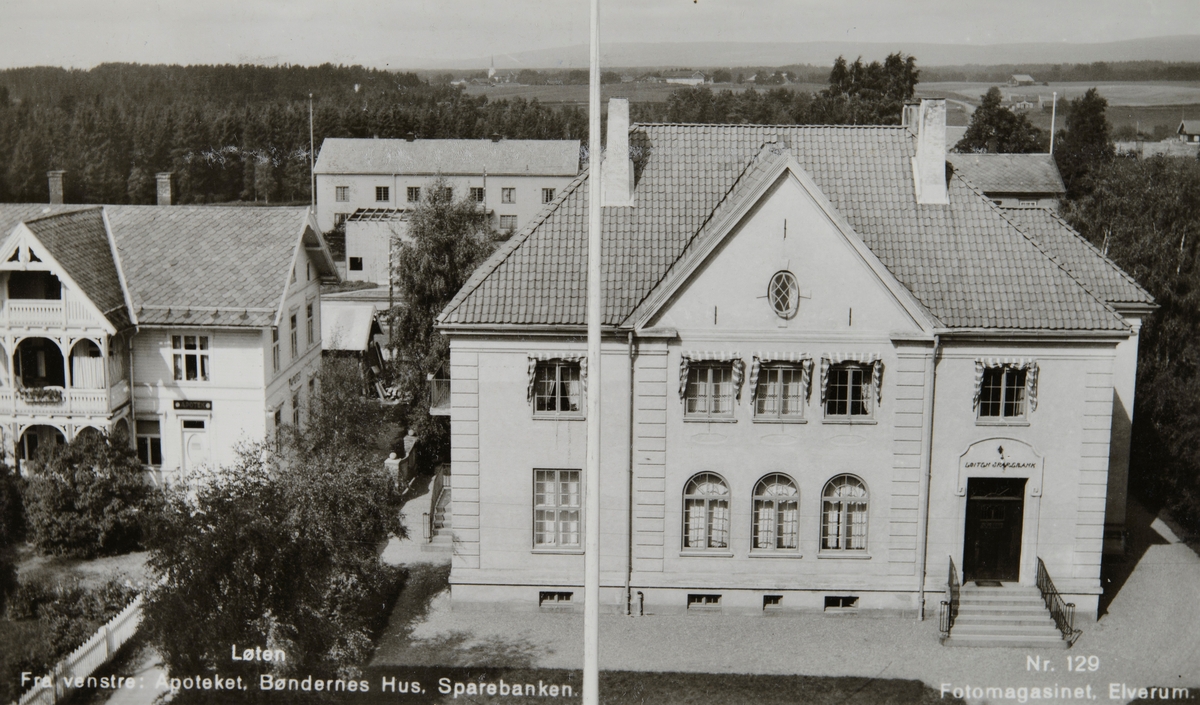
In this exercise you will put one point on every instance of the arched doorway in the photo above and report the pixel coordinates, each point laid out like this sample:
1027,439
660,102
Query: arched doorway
87,366
38,362
38,437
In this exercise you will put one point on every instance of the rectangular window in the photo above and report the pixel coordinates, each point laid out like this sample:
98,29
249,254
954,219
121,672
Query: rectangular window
383,193
558,389
1002,393
448,193
275,348
278,418
508,222
308,324
340,219
414,194
477,195
780,394
296,409
556,502
508,195
1026,202
849,391
547,195
341,194
149,442
709,390
356,264
295,336
190,353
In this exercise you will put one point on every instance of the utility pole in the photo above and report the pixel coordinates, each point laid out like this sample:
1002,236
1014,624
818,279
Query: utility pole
1053,118
591,490
312,175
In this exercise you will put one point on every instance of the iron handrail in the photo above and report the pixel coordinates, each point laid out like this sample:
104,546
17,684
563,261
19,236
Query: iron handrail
1062,612
435,494
948,609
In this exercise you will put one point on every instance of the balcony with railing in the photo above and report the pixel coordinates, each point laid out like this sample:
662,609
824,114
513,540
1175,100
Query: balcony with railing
55,400
439,394
45,313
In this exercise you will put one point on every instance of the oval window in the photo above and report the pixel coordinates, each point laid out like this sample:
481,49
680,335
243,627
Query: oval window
784,294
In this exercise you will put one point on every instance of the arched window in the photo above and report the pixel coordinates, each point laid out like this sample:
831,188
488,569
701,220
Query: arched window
776,514
706,512
844,515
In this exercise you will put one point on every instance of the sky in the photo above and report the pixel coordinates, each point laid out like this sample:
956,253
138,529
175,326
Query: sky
421,33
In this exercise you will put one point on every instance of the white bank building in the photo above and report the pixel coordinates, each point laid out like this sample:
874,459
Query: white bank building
188,328
836,376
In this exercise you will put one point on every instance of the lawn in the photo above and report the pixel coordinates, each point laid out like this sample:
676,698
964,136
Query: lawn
1127,93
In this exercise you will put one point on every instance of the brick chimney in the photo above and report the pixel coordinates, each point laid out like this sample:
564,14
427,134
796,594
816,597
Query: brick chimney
56,186
929,166
616,170
166,192
910,115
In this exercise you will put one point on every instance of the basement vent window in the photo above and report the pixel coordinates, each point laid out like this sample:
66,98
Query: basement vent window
555,600
703,603
356,264
772,602
841,603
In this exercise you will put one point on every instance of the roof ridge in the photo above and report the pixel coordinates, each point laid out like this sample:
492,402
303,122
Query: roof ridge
761,125
502,253
1042,249
49,216
1079,236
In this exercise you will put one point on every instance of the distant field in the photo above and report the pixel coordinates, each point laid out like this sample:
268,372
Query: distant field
635,92
1153,93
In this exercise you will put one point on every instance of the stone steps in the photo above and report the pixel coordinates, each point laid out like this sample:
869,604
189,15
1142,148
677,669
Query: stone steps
1014,617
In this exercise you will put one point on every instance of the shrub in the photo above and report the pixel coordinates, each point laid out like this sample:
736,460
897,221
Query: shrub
87,498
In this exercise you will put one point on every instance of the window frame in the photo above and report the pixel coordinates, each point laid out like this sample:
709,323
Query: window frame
842,538
477,194
508,195
559,508
548,195
275,359
413,194
710,501
778,416
559,366
866,390
294,321
1002,401
296,408
510,228
202,352
153,443
383,194
761,499
341,194
309,321
707,366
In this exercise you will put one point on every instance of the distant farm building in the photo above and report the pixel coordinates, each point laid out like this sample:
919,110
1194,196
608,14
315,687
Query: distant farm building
685,78
1189,131
1021,79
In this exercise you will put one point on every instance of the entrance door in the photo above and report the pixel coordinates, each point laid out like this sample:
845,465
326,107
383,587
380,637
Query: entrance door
195,443
992,539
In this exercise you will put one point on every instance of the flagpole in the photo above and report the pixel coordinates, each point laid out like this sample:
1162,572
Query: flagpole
591,490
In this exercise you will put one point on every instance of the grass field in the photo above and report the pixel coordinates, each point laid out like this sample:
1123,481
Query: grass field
635,92
1153,93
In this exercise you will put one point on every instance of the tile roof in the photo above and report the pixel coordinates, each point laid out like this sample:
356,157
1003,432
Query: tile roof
79,241
1190,127
1010,173
1086,263
186,265
206,265
506,157
965,262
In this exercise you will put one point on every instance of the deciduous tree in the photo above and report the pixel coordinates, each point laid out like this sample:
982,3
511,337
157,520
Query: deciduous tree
995,128
1085,144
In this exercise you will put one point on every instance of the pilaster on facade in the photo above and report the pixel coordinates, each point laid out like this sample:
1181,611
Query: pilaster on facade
464,456
910,432
1093,471
650,457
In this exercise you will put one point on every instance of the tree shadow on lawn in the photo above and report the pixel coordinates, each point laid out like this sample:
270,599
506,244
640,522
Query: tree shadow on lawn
625,687
397,646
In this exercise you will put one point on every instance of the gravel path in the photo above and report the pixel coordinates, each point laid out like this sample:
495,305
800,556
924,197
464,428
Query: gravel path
1148,637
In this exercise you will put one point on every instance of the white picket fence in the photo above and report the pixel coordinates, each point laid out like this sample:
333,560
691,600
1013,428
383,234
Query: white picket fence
94,653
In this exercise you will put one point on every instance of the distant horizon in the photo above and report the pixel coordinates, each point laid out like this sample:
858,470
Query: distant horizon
415,35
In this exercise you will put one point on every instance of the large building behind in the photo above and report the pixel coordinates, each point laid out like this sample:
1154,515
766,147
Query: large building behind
187,328
832,369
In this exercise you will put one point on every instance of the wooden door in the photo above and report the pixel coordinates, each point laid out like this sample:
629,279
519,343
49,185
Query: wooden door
992,536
